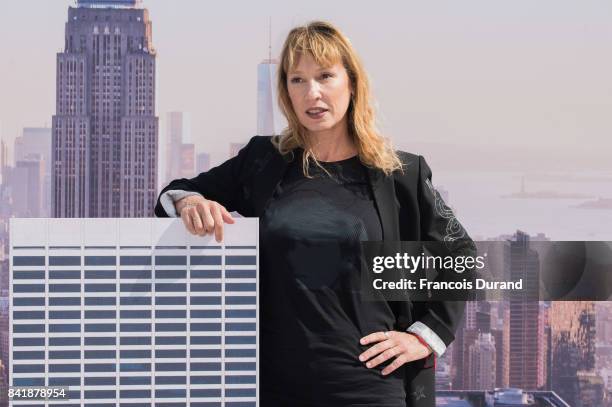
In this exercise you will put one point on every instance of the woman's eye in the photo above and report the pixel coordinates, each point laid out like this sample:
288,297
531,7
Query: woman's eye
326,75
296,80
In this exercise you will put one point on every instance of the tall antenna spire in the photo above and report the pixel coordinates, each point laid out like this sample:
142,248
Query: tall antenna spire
270,39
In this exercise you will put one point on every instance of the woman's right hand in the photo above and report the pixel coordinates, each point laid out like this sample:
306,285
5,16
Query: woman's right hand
202,217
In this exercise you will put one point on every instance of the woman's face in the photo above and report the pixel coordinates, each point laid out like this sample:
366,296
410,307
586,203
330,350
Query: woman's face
320,96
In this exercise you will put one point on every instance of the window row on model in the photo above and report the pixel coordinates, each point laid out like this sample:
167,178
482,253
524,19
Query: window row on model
135,367
64,381
132,287
131,274
194,260
207,403
131,313
132,354
135,340
158,393
134,300
134,327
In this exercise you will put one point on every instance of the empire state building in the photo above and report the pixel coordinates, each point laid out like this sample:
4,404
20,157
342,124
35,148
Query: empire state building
105,132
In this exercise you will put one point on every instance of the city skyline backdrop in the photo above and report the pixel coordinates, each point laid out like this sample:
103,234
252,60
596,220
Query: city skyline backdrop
503,86
533,190
487,202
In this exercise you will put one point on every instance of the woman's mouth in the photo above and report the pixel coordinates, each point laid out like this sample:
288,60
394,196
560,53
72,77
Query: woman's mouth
316,113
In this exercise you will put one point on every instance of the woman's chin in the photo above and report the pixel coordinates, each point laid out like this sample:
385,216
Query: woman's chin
319,127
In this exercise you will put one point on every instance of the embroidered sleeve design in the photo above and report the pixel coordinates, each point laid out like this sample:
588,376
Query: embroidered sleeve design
453,230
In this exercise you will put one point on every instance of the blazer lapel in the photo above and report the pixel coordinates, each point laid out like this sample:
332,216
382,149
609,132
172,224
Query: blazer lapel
271,167
383,190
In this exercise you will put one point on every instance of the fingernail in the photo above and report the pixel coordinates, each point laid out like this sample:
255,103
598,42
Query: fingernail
361,358
368,364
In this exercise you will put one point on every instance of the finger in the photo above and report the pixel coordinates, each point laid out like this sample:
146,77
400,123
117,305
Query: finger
399,361
376,337
196,220
216,214
207,219
376,349
227,217
187,221
386,355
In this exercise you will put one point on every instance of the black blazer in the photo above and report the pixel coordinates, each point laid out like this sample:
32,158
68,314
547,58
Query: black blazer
410,209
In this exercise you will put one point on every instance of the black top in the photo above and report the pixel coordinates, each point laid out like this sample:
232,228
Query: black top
311,312
409,210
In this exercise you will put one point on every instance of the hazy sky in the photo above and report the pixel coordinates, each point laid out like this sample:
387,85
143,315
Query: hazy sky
512,83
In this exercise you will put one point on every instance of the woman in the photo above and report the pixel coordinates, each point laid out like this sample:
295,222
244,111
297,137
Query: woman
328,182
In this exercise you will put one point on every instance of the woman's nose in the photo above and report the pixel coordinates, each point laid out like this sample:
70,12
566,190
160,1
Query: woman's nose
313,91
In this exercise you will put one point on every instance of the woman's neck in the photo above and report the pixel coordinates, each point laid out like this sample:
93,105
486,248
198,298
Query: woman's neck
331,146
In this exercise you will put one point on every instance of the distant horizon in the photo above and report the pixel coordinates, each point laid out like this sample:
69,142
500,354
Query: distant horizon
507,79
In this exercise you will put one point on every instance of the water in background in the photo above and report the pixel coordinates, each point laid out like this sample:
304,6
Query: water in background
478,201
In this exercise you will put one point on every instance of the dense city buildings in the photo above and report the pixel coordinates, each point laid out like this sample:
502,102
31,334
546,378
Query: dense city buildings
100,158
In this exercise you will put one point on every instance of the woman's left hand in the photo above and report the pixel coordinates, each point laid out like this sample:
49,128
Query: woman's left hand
402,346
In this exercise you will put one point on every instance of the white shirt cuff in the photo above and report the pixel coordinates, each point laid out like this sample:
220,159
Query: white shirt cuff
168,198
429,336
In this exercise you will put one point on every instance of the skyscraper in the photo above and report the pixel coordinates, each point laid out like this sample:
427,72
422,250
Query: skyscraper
3,160
482,362
34,140
202,162
471,307
37,141
269,119
26,183
526,325
572,326
235,148
104,143
177,135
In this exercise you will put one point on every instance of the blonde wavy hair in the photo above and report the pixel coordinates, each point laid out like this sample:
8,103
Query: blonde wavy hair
327,45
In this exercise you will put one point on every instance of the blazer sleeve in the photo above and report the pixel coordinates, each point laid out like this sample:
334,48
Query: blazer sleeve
438,223
222,184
